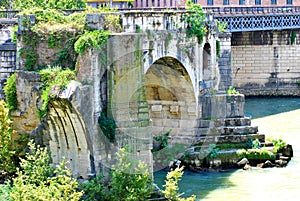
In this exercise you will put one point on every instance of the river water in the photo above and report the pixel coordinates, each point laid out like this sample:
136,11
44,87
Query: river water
277,118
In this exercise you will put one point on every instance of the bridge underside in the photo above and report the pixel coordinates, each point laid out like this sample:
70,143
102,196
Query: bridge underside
171,99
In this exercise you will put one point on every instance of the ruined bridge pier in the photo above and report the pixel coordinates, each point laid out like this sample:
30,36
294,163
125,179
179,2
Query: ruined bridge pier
153,79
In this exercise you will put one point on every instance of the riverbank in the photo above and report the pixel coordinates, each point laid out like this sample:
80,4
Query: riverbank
258,184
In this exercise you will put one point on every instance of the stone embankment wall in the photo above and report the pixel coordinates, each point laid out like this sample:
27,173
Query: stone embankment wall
266,63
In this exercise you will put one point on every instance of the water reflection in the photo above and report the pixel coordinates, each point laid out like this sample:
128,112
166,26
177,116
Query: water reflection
261,107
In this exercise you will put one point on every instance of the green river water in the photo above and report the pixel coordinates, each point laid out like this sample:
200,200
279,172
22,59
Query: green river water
277,118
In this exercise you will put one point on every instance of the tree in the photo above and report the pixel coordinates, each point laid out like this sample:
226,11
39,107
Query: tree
5,4
49,4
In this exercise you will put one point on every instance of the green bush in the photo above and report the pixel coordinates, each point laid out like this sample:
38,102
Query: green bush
195,19
94,189
171,186
48,4
108,127
37,180
5,190
91,39
53,76
6,153
279,144
10,91
256,154
130,179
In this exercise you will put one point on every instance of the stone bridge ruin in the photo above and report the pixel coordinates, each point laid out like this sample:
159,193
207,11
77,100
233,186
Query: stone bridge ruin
153,79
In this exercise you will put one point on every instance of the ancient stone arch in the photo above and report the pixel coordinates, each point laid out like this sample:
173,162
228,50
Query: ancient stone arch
170,96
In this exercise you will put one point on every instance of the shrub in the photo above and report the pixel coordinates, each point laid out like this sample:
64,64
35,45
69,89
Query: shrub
171,186
5,190
279,144
10,91
94,189
130,179
195,19
39,181
108,127
53,76
6,129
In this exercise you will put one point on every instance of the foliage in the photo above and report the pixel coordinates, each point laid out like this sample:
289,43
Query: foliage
39,181
94,189
171,186
256,154
53,76
5,4
249,144
279,144
162,141
256,144
195,19
112,22
6,129
130,179
49,4
108,127
5,190
14,34
91,39
232,91
168,154
221,26
10,91
212,151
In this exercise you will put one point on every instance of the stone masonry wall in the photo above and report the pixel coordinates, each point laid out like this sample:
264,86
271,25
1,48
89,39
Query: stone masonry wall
266,63
224,61
7,53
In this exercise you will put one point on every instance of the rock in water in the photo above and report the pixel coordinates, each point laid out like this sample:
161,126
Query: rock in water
244,161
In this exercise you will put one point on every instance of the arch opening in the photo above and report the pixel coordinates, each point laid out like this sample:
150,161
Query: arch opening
171,98
207,62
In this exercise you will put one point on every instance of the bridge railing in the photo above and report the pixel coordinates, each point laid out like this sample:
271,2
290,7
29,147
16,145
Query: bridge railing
253,9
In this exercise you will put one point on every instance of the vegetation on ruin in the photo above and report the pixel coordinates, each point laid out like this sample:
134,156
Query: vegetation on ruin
256,154
91,39
60,31
53,77
108,127
232,91
160,141
195,20
10,91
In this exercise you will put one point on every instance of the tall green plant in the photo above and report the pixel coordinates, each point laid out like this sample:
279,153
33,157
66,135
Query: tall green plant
195,19
6,129
39,181
171,186
130,179
10,91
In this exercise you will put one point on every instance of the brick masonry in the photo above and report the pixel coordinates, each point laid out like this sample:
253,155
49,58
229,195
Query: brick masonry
266,63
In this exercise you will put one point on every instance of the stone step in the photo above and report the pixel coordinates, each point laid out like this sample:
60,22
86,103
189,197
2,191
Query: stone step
242,121
193,140
228,130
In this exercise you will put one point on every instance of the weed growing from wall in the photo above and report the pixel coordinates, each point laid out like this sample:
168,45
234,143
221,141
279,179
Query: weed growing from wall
10,91
195,19
91,39
53,76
